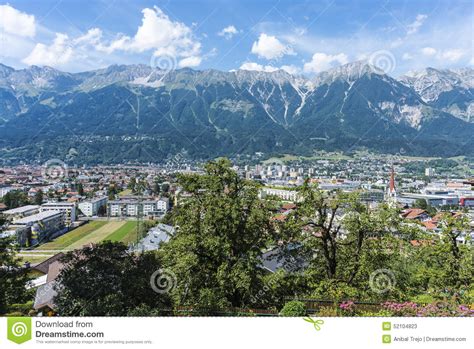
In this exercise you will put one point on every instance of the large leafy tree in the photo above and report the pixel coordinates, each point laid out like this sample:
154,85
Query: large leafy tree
222,228
107,280
13,277
15,198
345,241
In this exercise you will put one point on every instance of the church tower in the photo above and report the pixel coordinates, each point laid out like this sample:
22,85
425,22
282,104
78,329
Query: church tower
391,194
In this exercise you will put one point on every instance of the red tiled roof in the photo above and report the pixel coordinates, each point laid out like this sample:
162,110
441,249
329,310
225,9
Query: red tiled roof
430,225
413,213
288,206
279,217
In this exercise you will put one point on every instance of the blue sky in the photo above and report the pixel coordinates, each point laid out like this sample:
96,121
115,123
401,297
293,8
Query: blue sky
299,36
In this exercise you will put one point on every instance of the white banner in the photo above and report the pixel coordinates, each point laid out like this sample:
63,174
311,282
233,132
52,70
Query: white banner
237,332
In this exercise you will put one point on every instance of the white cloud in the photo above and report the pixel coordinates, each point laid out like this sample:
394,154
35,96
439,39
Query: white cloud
407,56
257,67
453,55
192,61
322,61
160,34
270,47
412,28
54,55
428,51
290,69
228,32
92,37
16,22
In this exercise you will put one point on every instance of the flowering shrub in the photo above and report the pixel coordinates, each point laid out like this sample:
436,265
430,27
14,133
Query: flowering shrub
401,309
432,309
347,307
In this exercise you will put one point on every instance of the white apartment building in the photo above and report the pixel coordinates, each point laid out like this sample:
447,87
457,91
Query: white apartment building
131,207
284,194
91,207
68,208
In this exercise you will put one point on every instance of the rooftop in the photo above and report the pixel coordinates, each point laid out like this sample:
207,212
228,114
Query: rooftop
21,209
37,217
54,204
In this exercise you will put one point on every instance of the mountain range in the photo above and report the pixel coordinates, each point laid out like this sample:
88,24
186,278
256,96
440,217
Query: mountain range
139,113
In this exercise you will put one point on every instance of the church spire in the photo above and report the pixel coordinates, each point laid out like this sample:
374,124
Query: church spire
392,182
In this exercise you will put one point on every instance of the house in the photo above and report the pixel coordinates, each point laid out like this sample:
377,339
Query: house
157,235
45,293
416,213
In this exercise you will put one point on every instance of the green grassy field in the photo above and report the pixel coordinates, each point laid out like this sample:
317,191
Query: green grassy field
34,259
125,234
125,192
98,234
92,232
66,240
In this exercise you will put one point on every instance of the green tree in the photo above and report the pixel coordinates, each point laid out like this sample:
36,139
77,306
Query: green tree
420,203
345,242
107,280
221,232
112,190
132,185
80,189
15,198
165,187
156,188
13,277
38,199
452,228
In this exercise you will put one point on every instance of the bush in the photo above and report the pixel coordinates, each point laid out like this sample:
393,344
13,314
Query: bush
293,308
423,299
328,311
23,308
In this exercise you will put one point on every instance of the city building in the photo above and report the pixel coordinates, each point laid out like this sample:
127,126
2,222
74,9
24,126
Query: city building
68,208
284,194
429,172
133,207
432,200
39,227
91,207
22,211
